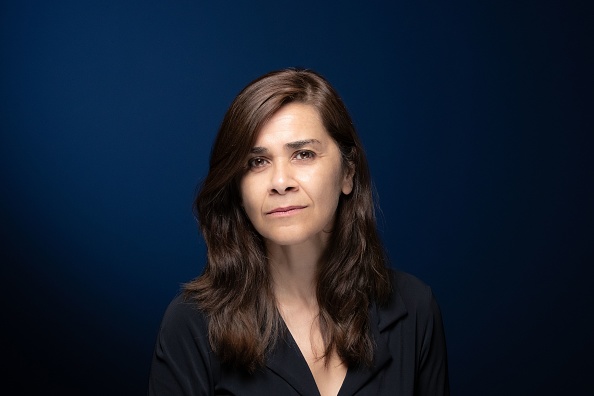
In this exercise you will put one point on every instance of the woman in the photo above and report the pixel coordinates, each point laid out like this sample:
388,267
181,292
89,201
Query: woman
296,297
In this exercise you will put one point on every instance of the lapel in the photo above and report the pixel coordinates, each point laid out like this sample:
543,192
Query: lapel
286,360
380,319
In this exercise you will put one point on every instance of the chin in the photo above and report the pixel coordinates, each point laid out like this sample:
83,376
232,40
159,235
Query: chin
288,241
295,238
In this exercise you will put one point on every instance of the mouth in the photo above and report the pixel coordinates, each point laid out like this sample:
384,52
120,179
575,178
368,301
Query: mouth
287,210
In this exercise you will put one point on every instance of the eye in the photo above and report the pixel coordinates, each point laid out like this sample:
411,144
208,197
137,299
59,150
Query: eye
257,162
305,155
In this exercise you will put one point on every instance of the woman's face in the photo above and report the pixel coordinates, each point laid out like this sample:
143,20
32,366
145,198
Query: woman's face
295,177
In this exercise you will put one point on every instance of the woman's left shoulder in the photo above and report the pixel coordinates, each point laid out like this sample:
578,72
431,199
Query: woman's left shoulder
412,292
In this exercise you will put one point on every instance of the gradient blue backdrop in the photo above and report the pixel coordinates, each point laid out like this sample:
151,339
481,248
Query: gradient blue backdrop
475,115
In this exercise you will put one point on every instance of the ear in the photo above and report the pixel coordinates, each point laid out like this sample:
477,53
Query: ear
347,181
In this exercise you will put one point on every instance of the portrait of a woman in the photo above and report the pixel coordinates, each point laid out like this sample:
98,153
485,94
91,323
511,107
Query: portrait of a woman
297,296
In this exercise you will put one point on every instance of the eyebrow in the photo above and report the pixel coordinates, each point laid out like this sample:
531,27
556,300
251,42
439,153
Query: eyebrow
291,145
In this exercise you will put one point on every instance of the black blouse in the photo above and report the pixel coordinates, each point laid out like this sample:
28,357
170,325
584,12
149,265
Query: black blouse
410,356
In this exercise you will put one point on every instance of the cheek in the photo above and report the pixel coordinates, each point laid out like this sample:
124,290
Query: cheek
249,199
329,188
245,189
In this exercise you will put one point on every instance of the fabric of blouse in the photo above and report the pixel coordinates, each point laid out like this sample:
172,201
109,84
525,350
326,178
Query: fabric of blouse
410,357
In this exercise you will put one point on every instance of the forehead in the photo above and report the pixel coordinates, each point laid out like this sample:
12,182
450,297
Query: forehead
294,121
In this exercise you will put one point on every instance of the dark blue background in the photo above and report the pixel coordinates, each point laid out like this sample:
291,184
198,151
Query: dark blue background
475,115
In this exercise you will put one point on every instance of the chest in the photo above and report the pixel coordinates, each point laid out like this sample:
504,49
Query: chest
328,371
288,373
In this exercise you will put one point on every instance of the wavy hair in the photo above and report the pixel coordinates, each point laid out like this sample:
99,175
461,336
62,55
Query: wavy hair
234,290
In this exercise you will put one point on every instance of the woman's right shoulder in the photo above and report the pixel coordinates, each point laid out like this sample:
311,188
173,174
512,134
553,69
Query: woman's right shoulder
183,362
183,313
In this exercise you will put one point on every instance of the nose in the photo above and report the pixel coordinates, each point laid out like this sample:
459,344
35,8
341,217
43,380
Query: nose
282,180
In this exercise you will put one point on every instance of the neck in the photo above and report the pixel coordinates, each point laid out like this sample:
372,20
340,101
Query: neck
294,272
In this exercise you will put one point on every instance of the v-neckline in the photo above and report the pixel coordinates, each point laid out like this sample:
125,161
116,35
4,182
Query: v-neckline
295,347
287,361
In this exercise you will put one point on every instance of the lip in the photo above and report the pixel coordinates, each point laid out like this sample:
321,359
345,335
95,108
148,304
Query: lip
284,211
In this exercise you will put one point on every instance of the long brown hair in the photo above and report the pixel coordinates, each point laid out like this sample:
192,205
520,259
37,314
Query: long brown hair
234,291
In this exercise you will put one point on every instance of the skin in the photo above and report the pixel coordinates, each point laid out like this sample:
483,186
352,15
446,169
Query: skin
294,165
290,194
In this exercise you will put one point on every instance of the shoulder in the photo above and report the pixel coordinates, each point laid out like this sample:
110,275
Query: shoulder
182,358
183,311
413,291
182,314
411,328
411,298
